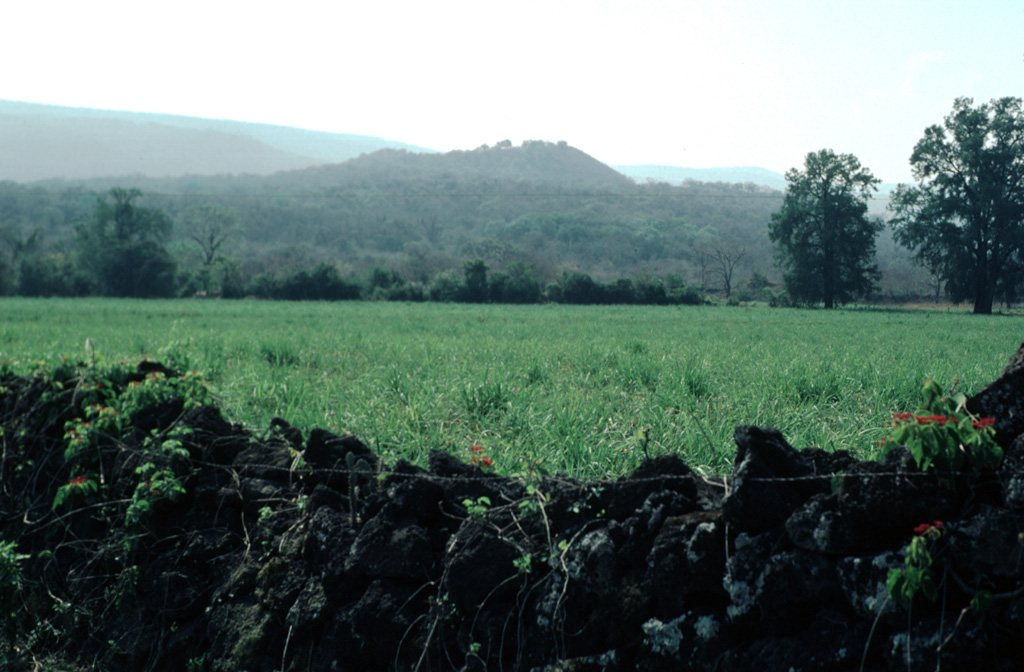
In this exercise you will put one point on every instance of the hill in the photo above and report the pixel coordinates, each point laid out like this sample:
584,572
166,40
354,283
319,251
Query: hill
547,205
534,162
41,142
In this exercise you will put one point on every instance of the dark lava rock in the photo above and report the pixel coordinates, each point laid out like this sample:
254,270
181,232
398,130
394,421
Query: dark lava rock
886,500
989,543
1003,399
326,454
775,591
821,525
833,641
391,545
212,438
480,566
1011,475
266,461
686,560
769,481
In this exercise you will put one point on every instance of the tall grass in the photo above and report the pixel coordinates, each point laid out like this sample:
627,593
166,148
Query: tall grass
571,389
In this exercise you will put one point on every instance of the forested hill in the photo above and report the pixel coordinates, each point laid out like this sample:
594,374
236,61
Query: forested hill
536,162
544,205
40,142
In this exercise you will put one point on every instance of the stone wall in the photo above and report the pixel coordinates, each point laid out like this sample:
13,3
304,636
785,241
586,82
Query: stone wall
336,561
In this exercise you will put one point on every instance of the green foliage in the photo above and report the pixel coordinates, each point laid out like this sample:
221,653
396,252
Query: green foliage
475,273
825,242
51,274
323,283
917,575
157,388
477,508
111,399
154,485
576,287
12,580
79,488
446,287
965,217
121,247
942,436
516,284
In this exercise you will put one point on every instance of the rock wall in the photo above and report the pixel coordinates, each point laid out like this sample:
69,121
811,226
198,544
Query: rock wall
292,552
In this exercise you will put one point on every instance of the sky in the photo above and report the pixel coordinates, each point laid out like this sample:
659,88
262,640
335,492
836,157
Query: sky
684,83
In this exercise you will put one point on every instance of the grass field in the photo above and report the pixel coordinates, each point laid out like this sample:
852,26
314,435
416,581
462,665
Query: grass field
570,389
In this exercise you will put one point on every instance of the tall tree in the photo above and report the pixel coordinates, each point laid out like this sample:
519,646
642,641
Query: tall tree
825,243
121,247
965,217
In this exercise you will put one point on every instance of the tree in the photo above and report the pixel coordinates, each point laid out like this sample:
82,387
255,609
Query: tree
965,218
209,226
121,247
825,243
579,287
726,259
475,272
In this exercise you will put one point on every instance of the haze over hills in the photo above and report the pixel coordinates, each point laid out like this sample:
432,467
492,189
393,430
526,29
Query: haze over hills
678,175
39,142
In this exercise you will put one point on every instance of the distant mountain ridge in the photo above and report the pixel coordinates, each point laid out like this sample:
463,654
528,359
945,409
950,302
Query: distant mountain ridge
39,142
45,142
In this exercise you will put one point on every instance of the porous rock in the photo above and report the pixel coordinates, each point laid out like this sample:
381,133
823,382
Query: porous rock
1003,400
769,481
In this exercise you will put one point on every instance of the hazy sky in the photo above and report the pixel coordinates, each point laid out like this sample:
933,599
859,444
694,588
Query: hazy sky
686,83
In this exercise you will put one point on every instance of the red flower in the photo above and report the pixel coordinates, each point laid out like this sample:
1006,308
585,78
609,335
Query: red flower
78,480
984,422
486,462
925,528
928,419
476,450
902,416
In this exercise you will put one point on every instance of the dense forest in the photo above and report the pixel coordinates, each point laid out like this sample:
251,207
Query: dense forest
541,208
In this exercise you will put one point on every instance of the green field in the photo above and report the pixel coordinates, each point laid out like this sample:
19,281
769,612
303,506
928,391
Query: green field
571,389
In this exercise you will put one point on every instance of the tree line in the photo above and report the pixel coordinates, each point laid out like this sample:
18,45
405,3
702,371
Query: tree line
517,284
120,251
963,220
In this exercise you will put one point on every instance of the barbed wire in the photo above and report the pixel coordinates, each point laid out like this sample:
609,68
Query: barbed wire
722,480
